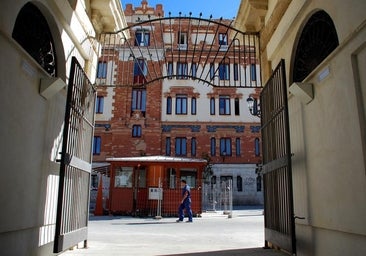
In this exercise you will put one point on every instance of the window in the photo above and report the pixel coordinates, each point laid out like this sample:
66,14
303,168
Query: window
225,147
213,146
256,147
136,131
194,70
236,72
99,105
142,178
193,106
172,174
212,106
139,71
180,146
182,70
193,147
123,177
212,71
170,70
32,32
222,39
237,146
226,182
224,105
181,104
253,72
167,146
182,40
259,183
190,175
102,69
169,105
237,106
224,72
97,141
142,38
139,100
239,183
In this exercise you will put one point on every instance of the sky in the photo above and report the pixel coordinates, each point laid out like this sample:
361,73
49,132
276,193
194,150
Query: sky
218,8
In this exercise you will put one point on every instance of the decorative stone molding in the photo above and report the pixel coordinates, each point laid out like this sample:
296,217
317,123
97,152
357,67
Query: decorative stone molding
168,128
237,128
251,15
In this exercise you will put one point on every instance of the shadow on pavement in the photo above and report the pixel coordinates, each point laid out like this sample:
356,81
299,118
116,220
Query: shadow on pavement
236,252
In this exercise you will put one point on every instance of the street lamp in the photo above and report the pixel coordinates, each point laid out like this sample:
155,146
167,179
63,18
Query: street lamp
254,106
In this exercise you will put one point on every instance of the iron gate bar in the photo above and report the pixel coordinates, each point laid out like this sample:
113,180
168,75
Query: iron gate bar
276,170
76,158
241,49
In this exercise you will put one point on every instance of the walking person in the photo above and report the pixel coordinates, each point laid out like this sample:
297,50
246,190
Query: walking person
185,203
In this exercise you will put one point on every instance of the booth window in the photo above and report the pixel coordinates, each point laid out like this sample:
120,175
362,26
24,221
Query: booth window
190,175
171,178
142,178
123,177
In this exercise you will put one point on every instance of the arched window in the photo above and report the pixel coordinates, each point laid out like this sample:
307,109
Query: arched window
318,39
32,32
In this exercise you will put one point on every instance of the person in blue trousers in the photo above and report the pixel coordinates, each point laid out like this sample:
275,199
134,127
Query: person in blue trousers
185,203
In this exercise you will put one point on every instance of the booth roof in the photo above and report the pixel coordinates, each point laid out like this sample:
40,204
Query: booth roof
157,159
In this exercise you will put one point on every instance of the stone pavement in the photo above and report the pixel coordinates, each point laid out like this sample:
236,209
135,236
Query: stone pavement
213,234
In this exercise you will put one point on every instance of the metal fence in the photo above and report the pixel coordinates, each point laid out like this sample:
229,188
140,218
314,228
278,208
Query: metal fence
218,196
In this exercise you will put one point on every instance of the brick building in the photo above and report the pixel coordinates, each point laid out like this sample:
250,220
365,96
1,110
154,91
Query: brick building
186,104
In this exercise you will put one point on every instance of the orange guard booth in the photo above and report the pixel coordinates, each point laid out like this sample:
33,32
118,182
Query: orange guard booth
150,185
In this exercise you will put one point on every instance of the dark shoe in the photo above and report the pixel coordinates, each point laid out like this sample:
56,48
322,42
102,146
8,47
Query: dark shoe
189,221
179,220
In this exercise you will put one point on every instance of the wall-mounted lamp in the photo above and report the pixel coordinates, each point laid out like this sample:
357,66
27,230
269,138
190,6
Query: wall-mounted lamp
254,106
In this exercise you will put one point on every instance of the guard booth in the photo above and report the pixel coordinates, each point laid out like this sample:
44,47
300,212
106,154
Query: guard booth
150,185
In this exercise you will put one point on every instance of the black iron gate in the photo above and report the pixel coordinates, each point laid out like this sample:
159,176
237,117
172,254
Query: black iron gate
277,177
76,158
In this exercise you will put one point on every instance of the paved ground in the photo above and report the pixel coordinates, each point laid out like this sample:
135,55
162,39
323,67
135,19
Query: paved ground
212,234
